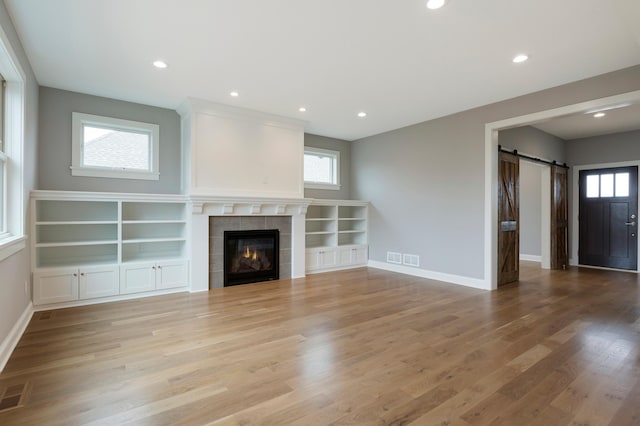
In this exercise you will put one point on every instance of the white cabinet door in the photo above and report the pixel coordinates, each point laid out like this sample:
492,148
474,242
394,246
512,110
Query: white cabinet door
98,281
353,255
171,274
55,285
321,258
312,259
138,277
328,258
361,255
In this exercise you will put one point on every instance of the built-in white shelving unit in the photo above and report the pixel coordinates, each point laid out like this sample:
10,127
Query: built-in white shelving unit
84,243
336,235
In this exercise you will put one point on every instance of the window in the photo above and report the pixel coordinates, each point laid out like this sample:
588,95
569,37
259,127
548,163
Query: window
12,126
114,148
321,169
3,164
608,185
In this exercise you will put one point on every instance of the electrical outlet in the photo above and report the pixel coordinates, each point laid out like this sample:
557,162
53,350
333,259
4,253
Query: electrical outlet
393,257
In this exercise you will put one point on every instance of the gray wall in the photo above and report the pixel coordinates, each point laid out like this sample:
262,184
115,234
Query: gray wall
613,148
14,271
344,147
530,208
533,142
54,149
426,182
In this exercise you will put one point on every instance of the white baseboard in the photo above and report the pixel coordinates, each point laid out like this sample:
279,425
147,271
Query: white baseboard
11,341
531,258
432,275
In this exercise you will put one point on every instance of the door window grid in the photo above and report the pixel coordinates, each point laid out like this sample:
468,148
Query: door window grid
608,185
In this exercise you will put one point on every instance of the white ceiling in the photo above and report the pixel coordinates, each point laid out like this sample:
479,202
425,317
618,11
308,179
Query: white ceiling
584,124
397,60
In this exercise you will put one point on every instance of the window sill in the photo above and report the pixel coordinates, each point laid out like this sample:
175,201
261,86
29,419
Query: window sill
11,245
113,174
309,185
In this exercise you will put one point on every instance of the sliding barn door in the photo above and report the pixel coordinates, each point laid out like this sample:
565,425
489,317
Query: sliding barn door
508,218
559,218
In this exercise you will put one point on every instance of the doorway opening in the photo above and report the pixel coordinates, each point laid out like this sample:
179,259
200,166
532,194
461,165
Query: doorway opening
492,168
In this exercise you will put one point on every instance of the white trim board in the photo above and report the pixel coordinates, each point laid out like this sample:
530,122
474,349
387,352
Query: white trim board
431,275
11,341
491,170
531,258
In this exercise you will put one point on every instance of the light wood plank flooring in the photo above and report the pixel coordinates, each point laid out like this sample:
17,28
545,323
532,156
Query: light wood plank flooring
355,347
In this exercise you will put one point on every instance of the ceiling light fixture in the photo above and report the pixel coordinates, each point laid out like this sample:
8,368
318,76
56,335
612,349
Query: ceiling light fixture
234,94
160,64
599,114
302,109
435,4
520,58
362,114
608,108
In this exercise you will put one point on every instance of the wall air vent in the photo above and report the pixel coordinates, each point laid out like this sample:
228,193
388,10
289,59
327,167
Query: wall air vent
411,260
393,257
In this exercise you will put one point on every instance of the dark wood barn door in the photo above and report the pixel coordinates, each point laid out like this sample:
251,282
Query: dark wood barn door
559,218
609,217
508,218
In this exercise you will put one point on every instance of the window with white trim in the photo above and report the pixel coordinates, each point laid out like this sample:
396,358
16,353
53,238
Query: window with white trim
321,168
114,148
4,159
12,190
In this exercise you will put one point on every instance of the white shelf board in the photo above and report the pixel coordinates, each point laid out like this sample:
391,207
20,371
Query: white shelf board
78,222
352,231
77,243
140,222
320,233
151,240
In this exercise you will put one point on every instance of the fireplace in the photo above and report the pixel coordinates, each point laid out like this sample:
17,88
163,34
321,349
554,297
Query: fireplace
251,256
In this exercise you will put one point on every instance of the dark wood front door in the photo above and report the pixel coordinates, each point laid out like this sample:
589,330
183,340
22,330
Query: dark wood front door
508,218
559,255
608,218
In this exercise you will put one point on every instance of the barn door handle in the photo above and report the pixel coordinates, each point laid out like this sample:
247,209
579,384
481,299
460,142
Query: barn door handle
630,224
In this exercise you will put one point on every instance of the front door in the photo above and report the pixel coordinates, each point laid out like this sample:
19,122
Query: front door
508,218
608,217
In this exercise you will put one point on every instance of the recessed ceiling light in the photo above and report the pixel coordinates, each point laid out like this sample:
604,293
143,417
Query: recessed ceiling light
160,64
609,107
234,94
435,4
599,114
302,109
520,58
362,114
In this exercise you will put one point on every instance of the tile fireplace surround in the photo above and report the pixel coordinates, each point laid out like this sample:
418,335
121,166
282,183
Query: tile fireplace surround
209,213
219,224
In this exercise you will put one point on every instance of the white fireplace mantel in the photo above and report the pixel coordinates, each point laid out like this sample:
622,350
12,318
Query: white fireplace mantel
203,207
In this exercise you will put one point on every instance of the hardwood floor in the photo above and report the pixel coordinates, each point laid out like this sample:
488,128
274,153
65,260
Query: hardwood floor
356,347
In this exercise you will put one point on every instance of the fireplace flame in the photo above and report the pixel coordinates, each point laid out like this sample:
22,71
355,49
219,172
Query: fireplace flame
248,254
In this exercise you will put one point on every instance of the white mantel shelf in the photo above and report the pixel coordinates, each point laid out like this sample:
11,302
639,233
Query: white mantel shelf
248,206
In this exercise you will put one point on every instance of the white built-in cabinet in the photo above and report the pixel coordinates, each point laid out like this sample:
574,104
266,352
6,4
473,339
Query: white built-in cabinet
90,246
336,235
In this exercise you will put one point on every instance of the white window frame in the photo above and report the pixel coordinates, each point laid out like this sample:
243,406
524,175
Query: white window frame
79,169
335,156
12,222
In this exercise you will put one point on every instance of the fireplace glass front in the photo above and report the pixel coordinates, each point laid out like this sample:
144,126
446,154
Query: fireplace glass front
251,256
